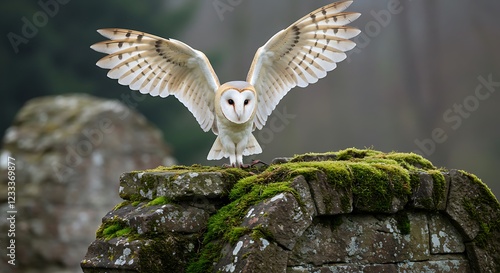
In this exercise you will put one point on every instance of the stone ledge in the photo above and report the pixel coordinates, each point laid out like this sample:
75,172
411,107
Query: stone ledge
349,211
178,183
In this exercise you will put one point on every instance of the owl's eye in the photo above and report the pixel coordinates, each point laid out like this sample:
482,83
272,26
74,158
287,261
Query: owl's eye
230,101
245,102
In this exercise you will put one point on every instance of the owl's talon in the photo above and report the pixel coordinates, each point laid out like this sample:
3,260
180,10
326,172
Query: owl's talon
258,161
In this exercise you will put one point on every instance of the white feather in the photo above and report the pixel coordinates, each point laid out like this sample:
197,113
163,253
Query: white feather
301,55
161,67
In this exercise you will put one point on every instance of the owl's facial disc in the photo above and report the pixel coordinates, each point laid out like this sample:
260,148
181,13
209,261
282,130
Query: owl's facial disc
238,106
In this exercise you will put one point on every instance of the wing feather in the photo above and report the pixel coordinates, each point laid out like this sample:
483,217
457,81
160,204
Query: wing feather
161,67
300,55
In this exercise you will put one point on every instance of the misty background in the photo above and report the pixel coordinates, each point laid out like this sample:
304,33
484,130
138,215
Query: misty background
425,76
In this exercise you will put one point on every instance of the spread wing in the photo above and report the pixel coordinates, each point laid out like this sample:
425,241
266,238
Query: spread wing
301,54
161,67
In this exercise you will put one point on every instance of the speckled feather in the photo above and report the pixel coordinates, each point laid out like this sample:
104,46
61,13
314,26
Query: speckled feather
161,67
301,54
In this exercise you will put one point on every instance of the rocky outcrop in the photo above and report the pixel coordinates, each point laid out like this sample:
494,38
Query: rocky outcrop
68,151
349,211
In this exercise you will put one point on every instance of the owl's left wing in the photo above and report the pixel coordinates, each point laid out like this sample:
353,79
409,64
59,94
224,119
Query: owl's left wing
161,67
301,54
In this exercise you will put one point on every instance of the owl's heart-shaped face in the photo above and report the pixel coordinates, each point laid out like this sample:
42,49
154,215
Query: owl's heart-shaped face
238,105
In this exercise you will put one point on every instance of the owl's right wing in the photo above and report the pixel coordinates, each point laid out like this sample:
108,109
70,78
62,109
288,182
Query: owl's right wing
161,67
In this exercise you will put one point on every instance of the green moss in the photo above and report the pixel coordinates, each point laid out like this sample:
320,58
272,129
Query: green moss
161,200
136,198
224,226
485,209
439,187
235,233
376,185
374,178
165,254
233,174
415,180
230,216
261,232
123,232
243,187
113,228
314,156
410,160
403,222
204,263
352,153
121,205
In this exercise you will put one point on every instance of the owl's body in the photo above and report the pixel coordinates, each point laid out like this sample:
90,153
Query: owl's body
234,122
296,56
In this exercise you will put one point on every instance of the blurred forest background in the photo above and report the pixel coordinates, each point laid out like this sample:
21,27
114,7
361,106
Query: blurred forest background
414,75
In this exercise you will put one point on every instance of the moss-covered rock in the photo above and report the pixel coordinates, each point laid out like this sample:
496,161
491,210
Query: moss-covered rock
179,182
393,209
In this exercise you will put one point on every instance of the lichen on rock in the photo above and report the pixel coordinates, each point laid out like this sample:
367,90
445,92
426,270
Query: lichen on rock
348,210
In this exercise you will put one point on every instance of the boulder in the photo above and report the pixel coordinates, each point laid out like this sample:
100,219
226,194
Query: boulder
68,151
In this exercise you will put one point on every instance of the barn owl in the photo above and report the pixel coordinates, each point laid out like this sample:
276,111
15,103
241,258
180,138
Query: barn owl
296,56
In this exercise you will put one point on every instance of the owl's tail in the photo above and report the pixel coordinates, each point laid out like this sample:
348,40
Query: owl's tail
253,146
217,152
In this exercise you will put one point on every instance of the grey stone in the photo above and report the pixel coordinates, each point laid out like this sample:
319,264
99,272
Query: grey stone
443,204
168,218
281,160
173,185
142,255
422,196
303,230
252,255
482,259
448,265
345,268
306,199
445,238
362,239
281,216
69,152
461,189
330,200
144,219
319,244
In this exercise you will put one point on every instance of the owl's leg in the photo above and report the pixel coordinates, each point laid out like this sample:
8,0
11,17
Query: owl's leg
233,161
239,161
240,147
